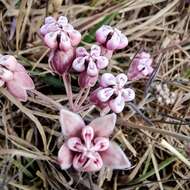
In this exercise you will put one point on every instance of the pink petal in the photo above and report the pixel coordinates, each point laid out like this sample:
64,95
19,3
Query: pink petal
102,33
78,64
75,144
16,90
101,144
9,62
114,42
128,94
81,52
79,161
62,20
65,157
51,39
65,43
107,79
115,158
106,52
103,126
71,123
24,80
95,50
121,80
117,105
5,74
102,62
104,94
86,81
49,20
75,37
123,41
92,69
20,68
87,135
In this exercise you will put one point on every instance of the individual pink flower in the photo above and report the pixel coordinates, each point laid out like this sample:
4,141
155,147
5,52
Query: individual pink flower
89,64
87,147
112,94
140,66
61,61
110,39
14,76
59,33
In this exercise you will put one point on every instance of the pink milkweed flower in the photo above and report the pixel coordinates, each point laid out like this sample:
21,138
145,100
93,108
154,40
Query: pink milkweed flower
140,66
87,147
89,64
112,94
59,33
14,76
110,39
61,61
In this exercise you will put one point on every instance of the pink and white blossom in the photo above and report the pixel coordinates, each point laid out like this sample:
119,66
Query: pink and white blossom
140,66
112,93
89,64
61,61
87,147
111,39
14,76
59,34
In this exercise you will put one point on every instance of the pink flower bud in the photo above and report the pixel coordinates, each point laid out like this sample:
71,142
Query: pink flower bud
112,94
59,34
111,38
14,76
61,61
140,66
88,148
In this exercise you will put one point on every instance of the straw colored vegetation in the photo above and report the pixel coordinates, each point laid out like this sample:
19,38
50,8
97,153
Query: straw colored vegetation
154,133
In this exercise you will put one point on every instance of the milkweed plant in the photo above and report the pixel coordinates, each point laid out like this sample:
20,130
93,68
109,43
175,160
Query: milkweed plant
86,147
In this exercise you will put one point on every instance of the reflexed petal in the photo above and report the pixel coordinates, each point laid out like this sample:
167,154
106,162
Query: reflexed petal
95,50
24,80
128,94
16,90
103,126
104,94
81,52
101,144
117,105
115,158
5,74
20,68
86,81
65,157
75,37
9,62
102,62
51,39
75,144
92,69
121,80
102,33
78,64
65,43
87,135
114,42
123,41
107,79
71,123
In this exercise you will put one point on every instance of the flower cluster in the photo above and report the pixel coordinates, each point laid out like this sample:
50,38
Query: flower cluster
14,76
